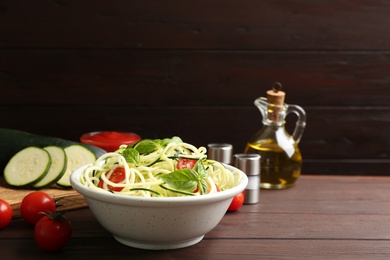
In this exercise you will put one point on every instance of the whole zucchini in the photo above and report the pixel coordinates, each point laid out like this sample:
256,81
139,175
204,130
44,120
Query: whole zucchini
12,141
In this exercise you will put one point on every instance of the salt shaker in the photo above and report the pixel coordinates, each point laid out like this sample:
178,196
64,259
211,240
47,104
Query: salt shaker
220,152
249,163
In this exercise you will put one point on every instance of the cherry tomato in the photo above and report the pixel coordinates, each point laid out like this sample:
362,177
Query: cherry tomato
52,231
34,203
237,202
117,176
5,213
184,163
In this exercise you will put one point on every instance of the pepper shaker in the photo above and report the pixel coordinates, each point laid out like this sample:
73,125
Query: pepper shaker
249,163
221,152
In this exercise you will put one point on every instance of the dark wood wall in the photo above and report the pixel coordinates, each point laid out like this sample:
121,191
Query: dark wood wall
194,68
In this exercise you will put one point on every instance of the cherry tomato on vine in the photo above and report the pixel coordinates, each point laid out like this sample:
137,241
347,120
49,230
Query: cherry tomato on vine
117,176
185,163
237,202
34,203
5,213
52,231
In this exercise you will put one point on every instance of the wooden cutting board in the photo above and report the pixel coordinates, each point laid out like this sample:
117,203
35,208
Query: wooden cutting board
70,199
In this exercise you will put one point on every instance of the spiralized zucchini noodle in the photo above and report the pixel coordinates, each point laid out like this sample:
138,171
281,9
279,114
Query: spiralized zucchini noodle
159,168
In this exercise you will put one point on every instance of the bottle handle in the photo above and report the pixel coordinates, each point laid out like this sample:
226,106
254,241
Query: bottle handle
300,123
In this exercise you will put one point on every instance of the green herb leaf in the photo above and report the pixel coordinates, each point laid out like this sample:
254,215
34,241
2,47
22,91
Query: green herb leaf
131,155
184,179
203,186
167,141
147,146
202,176
187,180
201,170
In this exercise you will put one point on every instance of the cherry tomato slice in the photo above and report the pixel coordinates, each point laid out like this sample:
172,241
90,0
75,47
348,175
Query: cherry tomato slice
237,202
34,203
184,163
117,176
5,213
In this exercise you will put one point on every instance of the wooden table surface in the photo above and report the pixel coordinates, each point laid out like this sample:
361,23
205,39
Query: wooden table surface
322,217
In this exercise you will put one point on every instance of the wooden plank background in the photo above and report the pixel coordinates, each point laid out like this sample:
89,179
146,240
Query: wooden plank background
194,68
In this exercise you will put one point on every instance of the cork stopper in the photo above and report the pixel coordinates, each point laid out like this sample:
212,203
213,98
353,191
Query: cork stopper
276,95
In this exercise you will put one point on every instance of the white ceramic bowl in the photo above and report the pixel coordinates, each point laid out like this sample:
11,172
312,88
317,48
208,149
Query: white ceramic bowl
158,223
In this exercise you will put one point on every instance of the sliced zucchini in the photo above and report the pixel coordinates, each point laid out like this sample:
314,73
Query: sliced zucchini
27,166
78,156
57,168
12,141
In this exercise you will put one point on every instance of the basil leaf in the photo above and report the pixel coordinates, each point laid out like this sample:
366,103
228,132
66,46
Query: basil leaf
147,146
167,141
188,179
202,176
203,186
183,179
131,155
201,170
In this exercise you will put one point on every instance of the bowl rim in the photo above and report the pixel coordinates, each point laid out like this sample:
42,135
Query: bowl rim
156,201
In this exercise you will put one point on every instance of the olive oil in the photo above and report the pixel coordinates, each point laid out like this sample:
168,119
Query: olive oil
280,164
281,160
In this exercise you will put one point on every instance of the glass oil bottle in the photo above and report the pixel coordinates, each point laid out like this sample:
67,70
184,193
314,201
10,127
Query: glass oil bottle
281,159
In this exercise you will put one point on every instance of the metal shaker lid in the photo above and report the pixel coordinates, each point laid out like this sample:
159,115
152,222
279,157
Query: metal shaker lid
221,152
249,163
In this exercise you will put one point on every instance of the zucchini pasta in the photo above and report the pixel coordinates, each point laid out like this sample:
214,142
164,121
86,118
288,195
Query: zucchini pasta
159,168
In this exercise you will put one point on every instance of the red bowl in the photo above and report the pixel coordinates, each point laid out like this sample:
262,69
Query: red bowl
109,140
